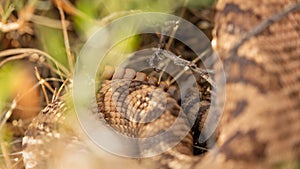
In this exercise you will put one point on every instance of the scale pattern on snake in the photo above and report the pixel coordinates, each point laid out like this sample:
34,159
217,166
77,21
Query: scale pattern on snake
132,103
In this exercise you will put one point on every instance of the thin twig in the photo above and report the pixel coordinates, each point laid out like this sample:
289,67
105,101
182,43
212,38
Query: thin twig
163,70
171,37
37,74
5,155
30,51
199,57
41,82
168,45
17,141
24,55
201,148
66,38
12,154
12,58
198,70
7,115
61,75
179,75
49,87
61,88
54,96
162,54
18,162
204,73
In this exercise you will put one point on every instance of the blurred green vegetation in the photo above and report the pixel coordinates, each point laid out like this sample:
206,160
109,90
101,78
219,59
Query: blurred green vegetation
198,4
92,13
98,9
95,10
6,9
52,42
8,77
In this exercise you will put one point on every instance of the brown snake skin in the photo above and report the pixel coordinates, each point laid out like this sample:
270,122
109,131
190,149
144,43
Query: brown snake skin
137,105
129,94
260,124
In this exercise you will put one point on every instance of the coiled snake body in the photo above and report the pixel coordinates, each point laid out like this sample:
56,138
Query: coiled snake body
260,125
130,103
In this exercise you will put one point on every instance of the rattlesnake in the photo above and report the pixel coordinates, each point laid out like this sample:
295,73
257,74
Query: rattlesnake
133,104
259,127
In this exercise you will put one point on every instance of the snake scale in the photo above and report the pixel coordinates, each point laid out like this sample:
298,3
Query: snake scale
260,124
128,101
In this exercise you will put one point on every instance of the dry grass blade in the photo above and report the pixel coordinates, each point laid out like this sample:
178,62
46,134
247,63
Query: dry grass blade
37,74
20,160
7,115
43,82
186,65
56,95
6,155
58,72
12,58
29,51
171,38
201,148
66,39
